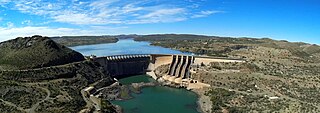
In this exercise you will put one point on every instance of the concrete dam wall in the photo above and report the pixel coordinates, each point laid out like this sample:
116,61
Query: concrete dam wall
120,66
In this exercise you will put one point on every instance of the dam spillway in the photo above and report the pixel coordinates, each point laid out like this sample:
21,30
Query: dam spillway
180,66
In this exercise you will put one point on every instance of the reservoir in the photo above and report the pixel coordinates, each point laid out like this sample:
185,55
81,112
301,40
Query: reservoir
124,46
158,99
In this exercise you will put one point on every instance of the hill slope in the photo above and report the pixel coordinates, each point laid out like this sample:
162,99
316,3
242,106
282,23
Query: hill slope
35,52
37,75
278,76
84,40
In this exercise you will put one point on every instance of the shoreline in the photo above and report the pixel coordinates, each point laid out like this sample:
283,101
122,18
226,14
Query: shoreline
203,102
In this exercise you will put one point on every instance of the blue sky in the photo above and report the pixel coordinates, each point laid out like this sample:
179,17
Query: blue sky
293,20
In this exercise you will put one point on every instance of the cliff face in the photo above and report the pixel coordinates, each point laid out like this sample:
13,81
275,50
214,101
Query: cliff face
35,52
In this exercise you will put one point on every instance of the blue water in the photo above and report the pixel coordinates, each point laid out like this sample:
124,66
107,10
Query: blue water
124,46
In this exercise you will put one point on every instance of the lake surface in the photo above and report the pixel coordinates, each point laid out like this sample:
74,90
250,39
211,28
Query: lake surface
124,46
157,99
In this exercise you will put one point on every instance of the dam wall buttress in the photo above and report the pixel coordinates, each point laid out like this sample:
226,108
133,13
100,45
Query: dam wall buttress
181,66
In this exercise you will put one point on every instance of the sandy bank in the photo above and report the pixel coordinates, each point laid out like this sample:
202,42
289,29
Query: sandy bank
204,103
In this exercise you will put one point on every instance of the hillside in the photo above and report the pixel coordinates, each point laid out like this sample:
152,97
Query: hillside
278,76
223,46
39,75
35,52
170,37
84,40
52,90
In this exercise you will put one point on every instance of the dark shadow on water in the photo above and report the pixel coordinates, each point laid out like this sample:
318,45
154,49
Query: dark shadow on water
134,110
135,79
126,76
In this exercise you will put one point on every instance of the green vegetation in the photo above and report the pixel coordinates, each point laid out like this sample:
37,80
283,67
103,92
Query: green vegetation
125,92
8,109
63,92
237,102
23,96
84,40
219,97
35,52
107,107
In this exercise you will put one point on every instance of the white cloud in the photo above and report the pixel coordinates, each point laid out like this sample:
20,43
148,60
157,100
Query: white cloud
163,12
26,22
160,16
131,8
94,18
76,18
102,3
204,14
4,1
10,24
100,12
11,33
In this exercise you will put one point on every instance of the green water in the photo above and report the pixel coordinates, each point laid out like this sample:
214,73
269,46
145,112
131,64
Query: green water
136,79
158,99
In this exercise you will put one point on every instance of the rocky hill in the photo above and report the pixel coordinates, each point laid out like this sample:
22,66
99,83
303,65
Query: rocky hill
35,52
37,75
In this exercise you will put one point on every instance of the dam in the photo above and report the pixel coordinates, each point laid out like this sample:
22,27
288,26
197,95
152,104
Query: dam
128,50
120,66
